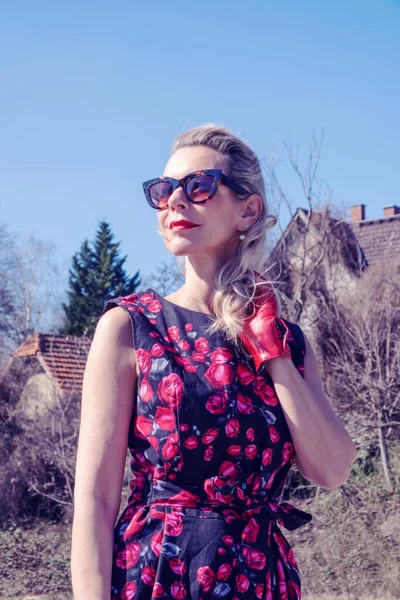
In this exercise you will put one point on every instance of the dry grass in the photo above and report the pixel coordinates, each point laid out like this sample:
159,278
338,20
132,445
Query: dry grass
350,550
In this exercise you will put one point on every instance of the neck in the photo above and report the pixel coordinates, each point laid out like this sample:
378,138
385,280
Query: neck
199,285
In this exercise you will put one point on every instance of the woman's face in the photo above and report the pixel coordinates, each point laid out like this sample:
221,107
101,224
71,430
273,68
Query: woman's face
219,219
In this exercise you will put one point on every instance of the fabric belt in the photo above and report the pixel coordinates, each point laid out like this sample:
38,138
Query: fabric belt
166,493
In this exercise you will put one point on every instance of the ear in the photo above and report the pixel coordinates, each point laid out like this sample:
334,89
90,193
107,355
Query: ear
253,208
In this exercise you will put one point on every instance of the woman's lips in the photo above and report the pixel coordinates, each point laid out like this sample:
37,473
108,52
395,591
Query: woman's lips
179,226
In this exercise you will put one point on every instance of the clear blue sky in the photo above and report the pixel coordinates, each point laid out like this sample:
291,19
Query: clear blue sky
93,93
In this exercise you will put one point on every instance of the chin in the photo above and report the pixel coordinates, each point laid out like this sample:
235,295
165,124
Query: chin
183,249
179,245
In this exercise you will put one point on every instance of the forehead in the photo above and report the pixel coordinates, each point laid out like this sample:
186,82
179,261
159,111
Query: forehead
196,158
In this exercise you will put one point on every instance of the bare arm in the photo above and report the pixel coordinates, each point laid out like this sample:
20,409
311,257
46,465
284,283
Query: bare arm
324,450
108,396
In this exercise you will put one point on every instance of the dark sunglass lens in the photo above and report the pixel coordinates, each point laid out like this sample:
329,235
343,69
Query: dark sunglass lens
199,188
160,193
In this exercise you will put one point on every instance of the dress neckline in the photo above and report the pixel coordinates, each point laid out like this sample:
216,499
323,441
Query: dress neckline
194,312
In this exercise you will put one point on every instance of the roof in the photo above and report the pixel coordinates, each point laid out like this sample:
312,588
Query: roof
62,357
378,238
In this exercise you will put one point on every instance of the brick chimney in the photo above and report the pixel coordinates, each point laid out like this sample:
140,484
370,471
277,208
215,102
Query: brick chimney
390,211
357,213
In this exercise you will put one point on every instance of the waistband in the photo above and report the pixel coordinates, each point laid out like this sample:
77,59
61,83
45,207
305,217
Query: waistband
228,497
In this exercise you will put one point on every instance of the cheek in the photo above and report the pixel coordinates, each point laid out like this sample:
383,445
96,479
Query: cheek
220,230
161,219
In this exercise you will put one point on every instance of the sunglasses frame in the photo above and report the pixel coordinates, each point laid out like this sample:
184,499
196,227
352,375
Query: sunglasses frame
219,178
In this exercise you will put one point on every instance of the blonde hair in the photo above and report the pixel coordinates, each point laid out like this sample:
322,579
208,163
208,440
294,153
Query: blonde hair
237,280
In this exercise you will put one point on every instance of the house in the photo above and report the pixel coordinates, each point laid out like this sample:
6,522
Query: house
316,256
378,239
48,368
319,256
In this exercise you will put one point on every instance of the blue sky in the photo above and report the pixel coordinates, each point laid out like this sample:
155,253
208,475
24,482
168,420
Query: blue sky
93,93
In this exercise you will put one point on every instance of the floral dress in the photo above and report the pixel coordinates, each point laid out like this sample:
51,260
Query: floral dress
210,452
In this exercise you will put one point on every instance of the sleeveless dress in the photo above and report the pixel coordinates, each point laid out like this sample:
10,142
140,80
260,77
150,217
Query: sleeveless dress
210,452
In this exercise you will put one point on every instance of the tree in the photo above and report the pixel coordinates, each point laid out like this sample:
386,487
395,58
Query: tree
97,273
166,278
360,338
316,255
31,289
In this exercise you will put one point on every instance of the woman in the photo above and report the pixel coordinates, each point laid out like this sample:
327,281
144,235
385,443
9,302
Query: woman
216,397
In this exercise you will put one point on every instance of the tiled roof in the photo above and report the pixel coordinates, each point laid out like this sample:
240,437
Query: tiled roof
62,357
378,238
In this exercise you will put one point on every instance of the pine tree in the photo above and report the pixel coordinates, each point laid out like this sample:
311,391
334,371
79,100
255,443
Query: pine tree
97,273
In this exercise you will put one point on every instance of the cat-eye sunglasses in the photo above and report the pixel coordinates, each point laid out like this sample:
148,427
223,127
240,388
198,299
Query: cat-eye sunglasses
198,187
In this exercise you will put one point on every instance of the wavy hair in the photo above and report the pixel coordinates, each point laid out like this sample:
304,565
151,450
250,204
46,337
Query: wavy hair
237,280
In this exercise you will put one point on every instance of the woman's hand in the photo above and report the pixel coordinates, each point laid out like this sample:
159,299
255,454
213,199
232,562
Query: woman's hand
265,334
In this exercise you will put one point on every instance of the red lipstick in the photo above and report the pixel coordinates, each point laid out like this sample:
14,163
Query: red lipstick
182,224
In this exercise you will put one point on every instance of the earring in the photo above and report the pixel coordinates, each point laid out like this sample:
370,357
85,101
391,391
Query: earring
242,235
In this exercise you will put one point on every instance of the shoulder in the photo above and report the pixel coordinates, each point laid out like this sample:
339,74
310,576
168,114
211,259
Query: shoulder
120,320
132,301
129,304
115,332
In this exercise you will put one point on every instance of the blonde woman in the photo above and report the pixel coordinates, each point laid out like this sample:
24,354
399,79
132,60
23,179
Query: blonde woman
216,396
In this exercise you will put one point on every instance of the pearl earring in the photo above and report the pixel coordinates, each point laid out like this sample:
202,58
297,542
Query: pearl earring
242,235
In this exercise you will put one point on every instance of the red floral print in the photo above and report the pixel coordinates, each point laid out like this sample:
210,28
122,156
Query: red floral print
242,583
218,403
148,575
157,350
244,404
253,558
165,418
244,374
224,572
144,360
250,434
221,355
265,391
129,556
234,450
173,524
170,390
206,578
210,451
251,451
191,442
201,345
173,333
128,591
178,590
144,425
171,448
274,434
250,532
220,374
146,391
210,435
232,428
177,566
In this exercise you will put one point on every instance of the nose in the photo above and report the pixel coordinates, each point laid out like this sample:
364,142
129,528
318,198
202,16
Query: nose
178,199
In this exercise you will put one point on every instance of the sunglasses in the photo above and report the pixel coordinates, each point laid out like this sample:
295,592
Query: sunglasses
198,187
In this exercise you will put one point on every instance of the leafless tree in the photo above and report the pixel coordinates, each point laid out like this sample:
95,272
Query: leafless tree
312,249
360,339
166,279
31,288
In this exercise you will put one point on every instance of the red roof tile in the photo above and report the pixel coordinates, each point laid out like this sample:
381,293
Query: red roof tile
378,238
62,357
